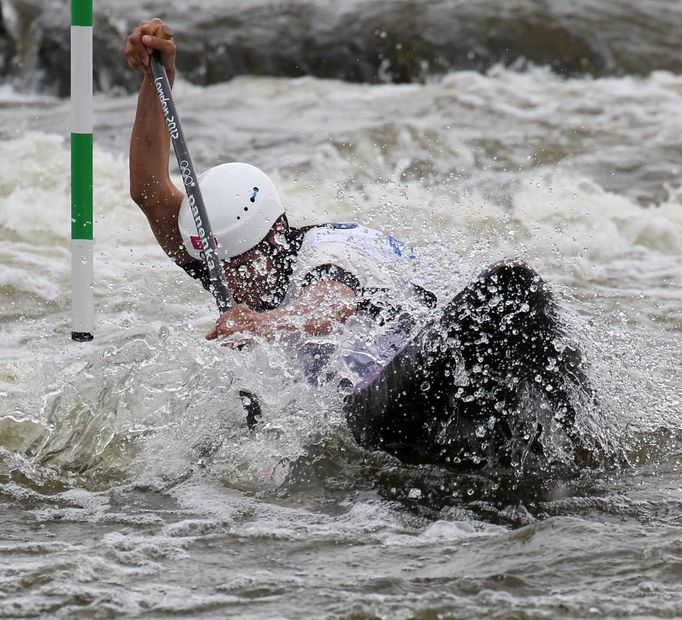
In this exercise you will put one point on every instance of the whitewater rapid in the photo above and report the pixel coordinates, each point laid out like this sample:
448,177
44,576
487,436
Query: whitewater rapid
129,483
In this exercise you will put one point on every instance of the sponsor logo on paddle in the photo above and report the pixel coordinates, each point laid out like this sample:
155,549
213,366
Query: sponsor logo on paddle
202,239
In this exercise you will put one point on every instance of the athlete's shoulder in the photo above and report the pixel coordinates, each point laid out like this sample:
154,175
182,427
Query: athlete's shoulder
368,240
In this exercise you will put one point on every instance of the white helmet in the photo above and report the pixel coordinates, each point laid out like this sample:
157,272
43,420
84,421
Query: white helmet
242,205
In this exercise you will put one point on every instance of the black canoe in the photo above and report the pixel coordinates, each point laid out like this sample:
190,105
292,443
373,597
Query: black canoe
454,392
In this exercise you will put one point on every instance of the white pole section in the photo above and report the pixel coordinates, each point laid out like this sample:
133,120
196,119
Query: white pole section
82,274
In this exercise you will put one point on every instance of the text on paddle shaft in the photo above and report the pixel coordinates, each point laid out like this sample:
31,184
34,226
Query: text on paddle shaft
170,120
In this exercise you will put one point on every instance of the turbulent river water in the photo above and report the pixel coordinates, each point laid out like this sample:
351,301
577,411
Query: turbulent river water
129,483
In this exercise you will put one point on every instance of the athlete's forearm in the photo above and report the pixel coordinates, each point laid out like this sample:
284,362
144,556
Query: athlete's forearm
316,311
150,182
318,320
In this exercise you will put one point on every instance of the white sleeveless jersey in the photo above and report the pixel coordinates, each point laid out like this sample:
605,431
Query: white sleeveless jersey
366,254
382,271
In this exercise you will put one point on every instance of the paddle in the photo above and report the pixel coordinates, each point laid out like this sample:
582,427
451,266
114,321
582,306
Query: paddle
189,179
196,201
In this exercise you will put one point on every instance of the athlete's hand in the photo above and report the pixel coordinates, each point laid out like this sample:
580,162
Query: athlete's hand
239,326
144,40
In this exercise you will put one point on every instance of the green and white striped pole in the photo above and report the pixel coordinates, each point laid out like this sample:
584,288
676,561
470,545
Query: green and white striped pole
82,274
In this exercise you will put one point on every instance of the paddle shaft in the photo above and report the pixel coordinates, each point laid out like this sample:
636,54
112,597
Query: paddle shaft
189,179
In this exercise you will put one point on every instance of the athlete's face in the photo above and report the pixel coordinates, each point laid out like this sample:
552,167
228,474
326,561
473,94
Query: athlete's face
253,276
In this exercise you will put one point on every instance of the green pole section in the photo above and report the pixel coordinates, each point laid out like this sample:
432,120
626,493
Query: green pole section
81,12
81,186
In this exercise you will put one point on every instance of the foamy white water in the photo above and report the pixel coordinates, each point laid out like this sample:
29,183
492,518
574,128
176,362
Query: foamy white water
129,483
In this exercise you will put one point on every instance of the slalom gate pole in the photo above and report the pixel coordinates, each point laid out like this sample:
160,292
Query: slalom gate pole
82,276
189,179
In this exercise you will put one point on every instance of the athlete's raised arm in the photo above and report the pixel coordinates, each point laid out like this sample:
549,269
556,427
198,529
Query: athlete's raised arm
150,183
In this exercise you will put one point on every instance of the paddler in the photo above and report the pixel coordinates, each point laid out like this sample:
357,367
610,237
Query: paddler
282,278
310,280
